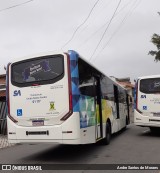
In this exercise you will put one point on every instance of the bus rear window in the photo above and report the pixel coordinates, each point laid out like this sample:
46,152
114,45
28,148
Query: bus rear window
150,86
41,70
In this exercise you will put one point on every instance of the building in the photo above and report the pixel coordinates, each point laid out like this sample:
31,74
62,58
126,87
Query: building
2,87
3,105
126,83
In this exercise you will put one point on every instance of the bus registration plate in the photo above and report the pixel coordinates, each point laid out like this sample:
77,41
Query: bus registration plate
156,114
38,122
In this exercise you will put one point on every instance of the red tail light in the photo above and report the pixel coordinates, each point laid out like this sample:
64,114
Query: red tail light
15,121
7,95
69,91
137,97
70,101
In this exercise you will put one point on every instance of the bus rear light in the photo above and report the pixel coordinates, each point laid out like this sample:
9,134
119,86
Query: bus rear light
138,110
136,95
7,88
70,109
69,91
15,121
35,84
70,101
137,98
66,116
7,95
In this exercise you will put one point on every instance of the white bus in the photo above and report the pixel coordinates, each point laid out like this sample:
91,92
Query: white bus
60,98
147,102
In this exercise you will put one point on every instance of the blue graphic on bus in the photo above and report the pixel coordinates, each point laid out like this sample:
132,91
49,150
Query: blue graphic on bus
19,112
144,107
143,96
17,93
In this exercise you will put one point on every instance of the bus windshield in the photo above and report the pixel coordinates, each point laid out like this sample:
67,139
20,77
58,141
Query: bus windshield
150,86
41,70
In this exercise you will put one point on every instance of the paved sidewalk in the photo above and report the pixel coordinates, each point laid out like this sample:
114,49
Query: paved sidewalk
4,142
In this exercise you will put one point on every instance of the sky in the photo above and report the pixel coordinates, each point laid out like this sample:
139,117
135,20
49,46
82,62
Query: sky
113,35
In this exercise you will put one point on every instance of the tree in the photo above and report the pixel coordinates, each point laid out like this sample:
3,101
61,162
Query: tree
156,41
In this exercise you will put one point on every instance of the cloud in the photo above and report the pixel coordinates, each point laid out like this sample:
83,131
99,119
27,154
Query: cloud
40,27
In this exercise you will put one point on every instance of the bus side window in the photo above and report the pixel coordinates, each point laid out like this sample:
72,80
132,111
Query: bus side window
88,90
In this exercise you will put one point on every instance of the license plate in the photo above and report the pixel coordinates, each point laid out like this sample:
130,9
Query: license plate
156,114
38,123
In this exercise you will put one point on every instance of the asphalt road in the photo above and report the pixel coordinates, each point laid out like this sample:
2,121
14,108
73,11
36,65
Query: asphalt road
135,145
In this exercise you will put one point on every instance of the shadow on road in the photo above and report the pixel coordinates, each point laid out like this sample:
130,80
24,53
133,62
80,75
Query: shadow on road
121,132
71,153
66,153
150,134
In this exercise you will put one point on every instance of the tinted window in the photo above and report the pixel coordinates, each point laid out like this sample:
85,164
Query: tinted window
107,88
122,96
88,90
86,81
150,85
42,70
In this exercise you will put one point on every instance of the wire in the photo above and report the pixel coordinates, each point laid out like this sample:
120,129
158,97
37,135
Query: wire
105,30
8,8
81,24
122,22
97,16
94,33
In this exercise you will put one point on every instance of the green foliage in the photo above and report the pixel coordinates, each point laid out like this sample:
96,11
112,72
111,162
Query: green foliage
156,41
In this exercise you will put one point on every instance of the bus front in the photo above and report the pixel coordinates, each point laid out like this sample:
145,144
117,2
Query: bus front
147,102
40,100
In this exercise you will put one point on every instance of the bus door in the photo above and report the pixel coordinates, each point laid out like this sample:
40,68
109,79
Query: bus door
116,101
98,108
116,120
128,107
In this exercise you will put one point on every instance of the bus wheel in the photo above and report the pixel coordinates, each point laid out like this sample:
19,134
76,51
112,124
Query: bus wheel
108,134
126,123
154,129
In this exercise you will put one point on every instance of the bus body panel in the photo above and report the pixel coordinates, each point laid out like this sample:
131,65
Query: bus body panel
88,135
40,103
68,132
147,101
35,102
145,121
60,111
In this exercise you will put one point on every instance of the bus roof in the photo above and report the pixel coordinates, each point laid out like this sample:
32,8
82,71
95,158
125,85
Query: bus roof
150,76
63,52
97,69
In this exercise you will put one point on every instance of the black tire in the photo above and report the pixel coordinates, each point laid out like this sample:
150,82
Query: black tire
107,138
154,130
126,123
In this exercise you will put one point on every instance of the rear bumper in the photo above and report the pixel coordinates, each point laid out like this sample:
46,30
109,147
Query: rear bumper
145,121
66,133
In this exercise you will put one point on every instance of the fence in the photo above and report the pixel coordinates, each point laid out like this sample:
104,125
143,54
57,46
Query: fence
3,123
3,114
